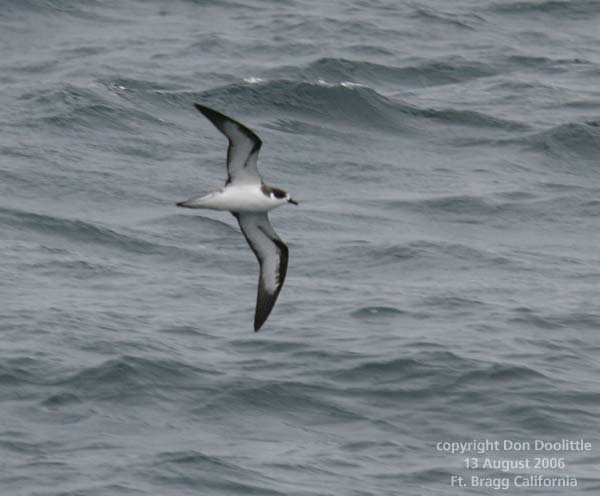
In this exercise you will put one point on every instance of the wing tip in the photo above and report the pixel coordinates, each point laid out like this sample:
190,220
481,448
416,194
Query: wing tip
259,320
264,307
263,310
218,119
206,111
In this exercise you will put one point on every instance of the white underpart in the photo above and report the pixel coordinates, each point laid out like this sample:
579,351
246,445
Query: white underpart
237,198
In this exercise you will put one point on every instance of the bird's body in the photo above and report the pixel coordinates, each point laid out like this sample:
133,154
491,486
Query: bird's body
249,200
238,198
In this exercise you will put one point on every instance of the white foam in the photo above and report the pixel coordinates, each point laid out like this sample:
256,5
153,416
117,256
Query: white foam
345,84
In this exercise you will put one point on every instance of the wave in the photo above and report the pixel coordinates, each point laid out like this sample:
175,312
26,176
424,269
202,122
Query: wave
581,140
137,242
451,302
18,370
427,73
349,104
425,251
376,312
463,21
502,209
423,374
572,144
469,209
573,9
282,396
501,372
75,268
451,204
87,10
75,107
353,105
61,399
571,320
127,377
345,102
529,62
299,127
214,474
76,230
386,370
367,49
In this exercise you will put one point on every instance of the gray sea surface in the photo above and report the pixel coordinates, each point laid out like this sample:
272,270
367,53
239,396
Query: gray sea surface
444,278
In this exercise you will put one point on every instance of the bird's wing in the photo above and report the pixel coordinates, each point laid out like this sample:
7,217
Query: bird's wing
244,146
272,255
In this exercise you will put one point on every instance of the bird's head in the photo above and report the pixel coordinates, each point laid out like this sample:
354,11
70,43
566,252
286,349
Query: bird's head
279,194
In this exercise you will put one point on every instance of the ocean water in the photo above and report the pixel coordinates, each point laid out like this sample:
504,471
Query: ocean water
444,265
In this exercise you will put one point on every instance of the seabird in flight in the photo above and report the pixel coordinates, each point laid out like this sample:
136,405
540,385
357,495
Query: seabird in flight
249,200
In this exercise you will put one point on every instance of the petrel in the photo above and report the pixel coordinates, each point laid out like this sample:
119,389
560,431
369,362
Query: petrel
249,199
